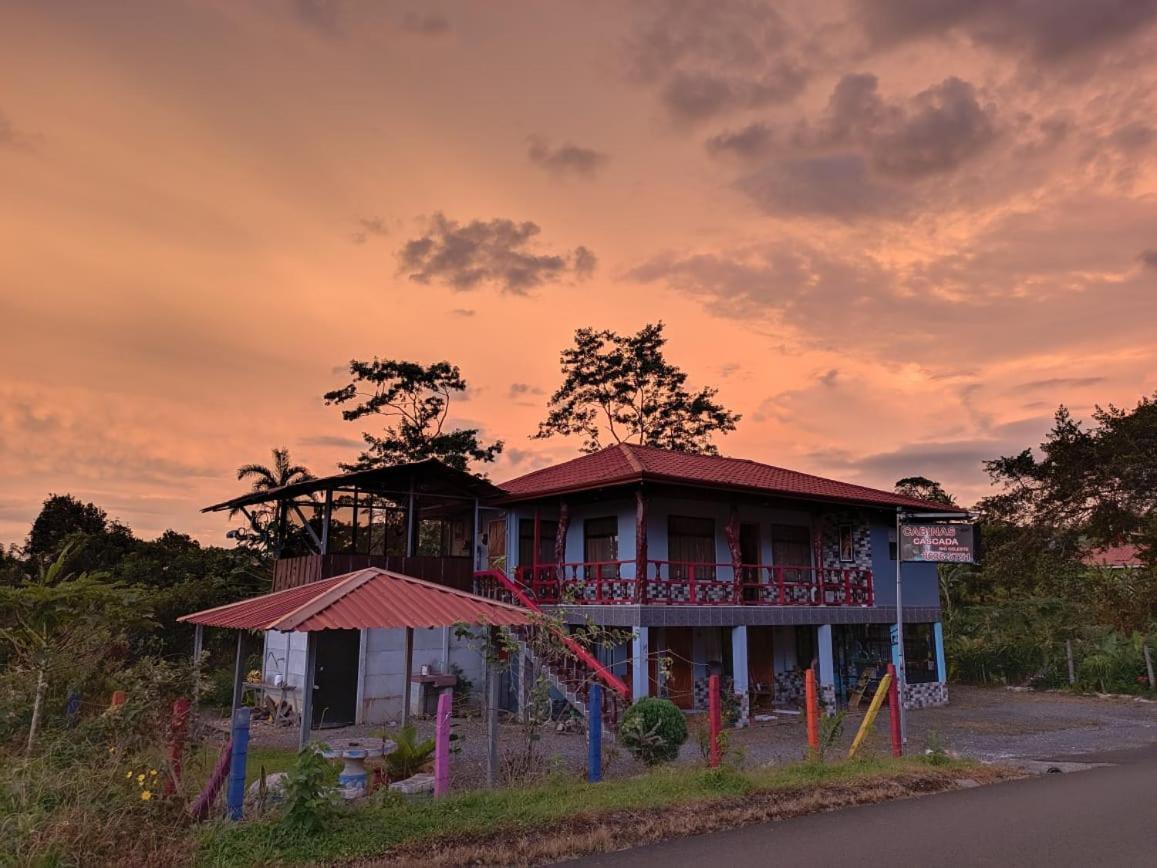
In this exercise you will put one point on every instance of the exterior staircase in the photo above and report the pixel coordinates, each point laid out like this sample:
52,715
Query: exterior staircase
569,667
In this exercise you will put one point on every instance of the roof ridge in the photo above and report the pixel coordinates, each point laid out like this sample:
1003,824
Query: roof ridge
628,452
318,604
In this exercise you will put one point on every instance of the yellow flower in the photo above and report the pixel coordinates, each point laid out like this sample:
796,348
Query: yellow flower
146,795
141,778
128,774
153,772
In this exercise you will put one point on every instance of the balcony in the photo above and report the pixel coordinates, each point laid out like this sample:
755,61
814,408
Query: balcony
671,583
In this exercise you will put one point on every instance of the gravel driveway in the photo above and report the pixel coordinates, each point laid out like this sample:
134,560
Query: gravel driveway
984,723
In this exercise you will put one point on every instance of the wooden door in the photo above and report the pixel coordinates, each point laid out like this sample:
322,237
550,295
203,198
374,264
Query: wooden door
681,679
496,544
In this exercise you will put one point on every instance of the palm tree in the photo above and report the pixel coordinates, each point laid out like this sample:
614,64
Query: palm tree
265,520
281,473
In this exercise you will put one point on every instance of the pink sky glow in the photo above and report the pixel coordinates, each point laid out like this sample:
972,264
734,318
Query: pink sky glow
895,234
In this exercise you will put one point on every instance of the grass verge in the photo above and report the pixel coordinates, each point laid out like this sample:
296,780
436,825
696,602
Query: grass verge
563,818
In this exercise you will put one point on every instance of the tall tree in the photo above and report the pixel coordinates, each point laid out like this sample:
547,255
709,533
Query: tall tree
621,389
415,400
61,516
923,488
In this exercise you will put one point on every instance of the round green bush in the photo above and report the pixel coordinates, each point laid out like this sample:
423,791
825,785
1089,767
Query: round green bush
653,730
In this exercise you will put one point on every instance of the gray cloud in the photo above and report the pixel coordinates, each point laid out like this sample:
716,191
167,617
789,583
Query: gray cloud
935,131
752,142
1148,257
833,185
464,312
1059,383
368,226
499,252
709,57
425,24
15,139
523,390
1049,31
329,440
566,159
322,15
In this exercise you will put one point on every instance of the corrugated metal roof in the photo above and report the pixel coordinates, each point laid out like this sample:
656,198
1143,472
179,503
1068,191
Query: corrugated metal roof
362,600
625,463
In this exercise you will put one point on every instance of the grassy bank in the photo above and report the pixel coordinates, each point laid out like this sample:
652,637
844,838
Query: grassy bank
566,818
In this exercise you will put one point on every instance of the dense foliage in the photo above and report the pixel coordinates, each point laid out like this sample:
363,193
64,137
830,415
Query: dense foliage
415,399
1036,595
622,386
653,730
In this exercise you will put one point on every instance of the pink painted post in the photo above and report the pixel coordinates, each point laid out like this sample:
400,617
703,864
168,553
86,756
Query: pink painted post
442,745
714,713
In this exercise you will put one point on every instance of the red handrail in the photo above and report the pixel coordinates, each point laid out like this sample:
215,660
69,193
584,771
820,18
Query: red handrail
608,677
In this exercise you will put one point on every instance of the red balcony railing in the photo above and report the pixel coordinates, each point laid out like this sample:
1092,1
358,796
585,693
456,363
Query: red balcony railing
679,583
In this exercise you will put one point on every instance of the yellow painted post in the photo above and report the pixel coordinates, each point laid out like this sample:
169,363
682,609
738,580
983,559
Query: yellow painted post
870,717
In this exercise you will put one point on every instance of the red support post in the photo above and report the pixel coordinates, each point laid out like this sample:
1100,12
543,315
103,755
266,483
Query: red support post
813,711
894,713
119,697
178,727
715,718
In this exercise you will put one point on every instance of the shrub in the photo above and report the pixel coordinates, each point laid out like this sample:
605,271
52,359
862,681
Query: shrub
409,756
310,798
653,730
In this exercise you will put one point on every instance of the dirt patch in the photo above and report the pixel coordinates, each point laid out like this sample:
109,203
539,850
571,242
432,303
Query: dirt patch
598,833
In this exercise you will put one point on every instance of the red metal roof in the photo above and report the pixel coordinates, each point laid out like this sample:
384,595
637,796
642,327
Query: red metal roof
361,600
625,463
1114,556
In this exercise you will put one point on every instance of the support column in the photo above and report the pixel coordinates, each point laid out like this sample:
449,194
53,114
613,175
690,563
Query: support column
407,667
740,670
307,689
640,660
238,669
827,673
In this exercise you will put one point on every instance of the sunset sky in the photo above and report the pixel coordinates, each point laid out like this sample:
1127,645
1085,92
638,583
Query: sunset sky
894,234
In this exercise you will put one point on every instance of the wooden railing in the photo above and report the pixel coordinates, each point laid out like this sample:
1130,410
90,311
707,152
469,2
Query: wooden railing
292,572
682,583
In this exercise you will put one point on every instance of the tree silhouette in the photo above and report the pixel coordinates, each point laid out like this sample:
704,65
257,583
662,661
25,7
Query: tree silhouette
624,387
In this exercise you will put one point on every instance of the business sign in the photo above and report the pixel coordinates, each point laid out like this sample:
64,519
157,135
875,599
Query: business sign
938,543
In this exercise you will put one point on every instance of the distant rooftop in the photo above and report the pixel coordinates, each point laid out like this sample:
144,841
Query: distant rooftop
1124,555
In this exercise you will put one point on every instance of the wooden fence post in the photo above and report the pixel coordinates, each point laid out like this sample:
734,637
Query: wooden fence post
894,712
236,792
812,702
595,733
442,744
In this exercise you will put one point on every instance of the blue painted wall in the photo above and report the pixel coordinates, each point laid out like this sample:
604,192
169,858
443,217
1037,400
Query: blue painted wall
921,587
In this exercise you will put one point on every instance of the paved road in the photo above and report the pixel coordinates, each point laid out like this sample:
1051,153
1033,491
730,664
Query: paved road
1104,816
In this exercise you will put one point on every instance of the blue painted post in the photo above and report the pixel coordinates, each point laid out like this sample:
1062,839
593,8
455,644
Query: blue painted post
941,662
236,793
595,734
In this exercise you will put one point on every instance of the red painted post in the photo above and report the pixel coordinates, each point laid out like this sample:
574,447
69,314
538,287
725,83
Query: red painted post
813,711
715,718
894,713
118,698
178,727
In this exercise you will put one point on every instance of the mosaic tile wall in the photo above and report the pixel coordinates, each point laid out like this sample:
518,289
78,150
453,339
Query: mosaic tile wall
829,530
926,695
789,688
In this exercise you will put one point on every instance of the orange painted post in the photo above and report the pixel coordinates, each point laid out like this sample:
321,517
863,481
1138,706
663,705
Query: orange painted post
715,715
813,711
894,713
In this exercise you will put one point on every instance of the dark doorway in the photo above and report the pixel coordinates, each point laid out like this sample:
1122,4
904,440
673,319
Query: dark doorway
749,557
335,687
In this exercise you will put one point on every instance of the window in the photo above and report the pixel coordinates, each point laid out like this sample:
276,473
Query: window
691,541
790,545
548,530
847,544
601,544
919,654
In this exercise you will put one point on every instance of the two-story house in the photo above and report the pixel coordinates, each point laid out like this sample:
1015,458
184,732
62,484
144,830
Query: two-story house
706,564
